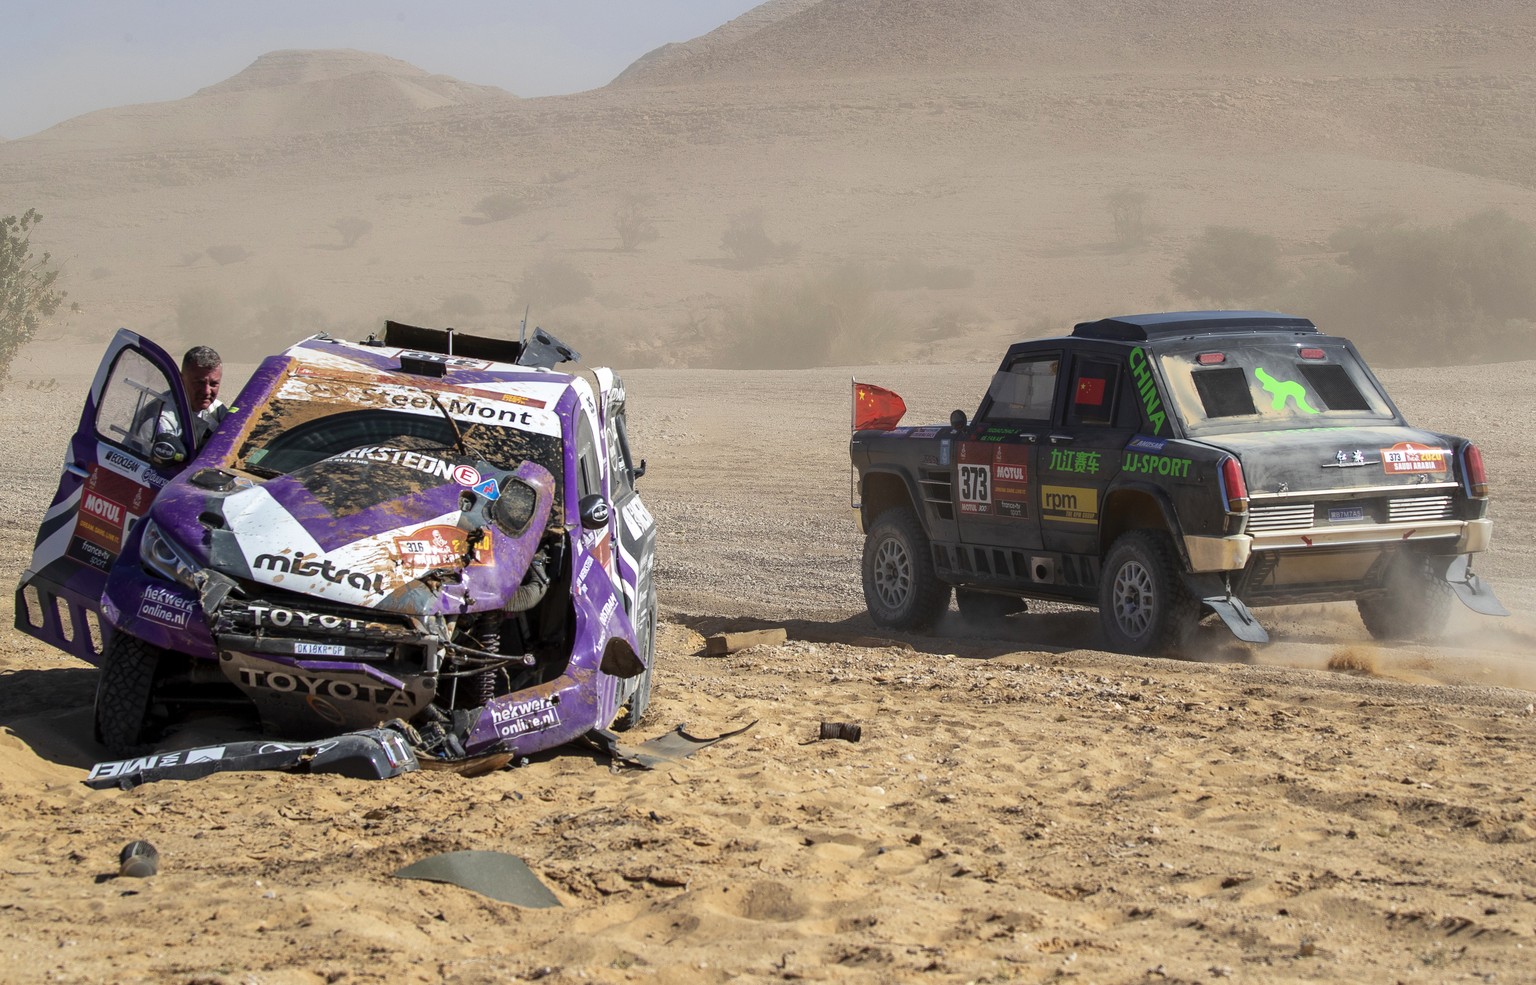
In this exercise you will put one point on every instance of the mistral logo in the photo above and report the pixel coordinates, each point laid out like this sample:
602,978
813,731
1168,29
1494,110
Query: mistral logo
313,565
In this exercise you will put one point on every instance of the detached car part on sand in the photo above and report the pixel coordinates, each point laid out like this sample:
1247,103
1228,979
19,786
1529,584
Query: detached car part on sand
435,529
1168,466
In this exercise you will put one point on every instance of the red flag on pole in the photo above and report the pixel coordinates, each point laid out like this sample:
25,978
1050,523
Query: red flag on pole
875,408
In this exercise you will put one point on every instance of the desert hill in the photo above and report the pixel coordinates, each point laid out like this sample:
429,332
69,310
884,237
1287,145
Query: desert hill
797,39
953,201
280,94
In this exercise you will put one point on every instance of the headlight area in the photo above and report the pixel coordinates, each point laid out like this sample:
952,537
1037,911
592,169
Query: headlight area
162,556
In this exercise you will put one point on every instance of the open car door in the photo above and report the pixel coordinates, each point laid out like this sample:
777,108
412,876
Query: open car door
127,447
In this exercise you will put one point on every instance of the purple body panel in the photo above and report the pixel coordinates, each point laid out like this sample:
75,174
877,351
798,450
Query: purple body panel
242,549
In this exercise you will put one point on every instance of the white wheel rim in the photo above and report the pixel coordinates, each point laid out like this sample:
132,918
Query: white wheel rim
893,573
1134,600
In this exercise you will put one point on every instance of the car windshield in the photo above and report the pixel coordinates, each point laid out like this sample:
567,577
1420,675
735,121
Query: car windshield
1248,386
351,458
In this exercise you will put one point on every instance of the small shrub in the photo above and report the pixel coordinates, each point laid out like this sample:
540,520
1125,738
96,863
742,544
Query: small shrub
633,224
1128,215
748,243
351,229
228,253
1228,265
27,294
500,205
553,281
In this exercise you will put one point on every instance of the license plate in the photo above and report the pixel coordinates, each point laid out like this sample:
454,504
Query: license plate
1345,514
318,650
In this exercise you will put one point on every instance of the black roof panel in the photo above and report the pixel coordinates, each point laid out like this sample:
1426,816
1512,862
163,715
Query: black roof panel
1178,324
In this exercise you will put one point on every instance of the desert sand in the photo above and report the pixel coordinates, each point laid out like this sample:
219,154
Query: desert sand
1022,805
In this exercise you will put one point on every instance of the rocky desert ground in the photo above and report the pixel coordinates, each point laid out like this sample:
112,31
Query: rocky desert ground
1022,805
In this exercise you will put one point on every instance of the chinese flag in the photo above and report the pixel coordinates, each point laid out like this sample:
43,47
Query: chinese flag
875,408
1090,392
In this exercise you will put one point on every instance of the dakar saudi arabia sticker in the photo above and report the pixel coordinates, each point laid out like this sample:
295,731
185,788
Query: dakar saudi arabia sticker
438,545
1406,458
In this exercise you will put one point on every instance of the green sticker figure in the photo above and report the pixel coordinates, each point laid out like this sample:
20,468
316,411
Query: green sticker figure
1284,390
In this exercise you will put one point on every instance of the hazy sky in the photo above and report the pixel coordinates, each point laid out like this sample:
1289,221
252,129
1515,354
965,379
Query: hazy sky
61,58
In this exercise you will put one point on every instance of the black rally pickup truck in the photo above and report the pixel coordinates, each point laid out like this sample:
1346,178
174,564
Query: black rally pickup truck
1166,466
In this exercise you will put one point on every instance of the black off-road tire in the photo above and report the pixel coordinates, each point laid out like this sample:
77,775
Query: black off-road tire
124,692
900,585
986,607
639,702
1416,605
1144,606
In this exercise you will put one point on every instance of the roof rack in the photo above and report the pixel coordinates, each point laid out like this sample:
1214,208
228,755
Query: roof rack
1178,324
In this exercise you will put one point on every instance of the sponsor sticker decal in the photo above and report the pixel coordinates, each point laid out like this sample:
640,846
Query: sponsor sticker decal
1163,465
532,715
1082,462
466,475
101,520
994,480
438,545
488,489
308,565
165,607
1407,458
1069,504
637,519
1142,443
429,464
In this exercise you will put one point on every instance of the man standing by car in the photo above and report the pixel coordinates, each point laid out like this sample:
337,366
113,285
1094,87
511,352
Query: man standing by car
201,373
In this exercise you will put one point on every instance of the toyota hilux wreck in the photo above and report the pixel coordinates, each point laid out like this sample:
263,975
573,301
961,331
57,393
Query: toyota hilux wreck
431,529
1168,466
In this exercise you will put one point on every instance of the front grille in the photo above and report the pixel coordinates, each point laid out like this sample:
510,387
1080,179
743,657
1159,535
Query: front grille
1288,516
1420,508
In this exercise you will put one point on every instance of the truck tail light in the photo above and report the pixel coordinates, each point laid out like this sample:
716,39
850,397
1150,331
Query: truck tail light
1473,472
1234,488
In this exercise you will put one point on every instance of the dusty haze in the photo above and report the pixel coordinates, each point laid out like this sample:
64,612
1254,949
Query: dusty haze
912,186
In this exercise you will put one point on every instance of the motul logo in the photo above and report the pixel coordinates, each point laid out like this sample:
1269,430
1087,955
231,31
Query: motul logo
104,508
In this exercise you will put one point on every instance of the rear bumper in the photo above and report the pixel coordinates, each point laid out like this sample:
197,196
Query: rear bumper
1207,554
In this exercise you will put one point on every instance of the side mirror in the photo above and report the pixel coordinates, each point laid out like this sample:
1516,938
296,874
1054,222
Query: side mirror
594,512
957,420
639,470
166,449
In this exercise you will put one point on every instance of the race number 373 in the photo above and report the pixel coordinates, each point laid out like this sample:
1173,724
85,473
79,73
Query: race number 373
976,486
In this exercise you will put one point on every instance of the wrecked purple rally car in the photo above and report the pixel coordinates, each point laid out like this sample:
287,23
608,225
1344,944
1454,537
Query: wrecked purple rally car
434,529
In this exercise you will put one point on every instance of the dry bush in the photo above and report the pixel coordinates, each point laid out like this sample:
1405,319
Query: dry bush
351,229
1128,215
748,242
633,223
1230,266
825,319
500,205
1423,292
227,253
551,282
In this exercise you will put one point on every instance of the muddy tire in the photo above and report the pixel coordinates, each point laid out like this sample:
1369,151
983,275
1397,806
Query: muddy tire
123,693
1415,606
1144,606
985,607
900,585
